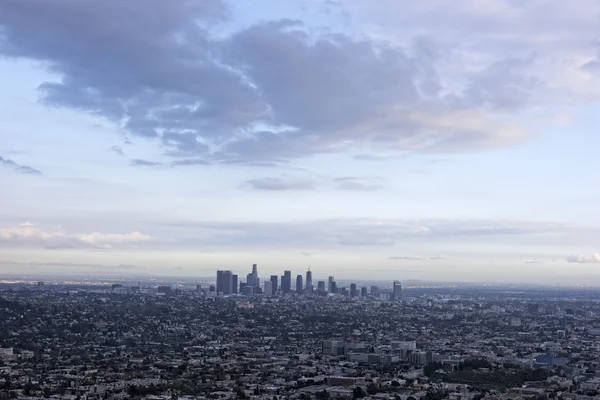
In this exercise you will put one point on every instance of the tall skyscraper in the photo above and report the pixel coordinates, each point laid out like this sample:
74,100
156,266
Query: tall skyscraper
255,277
299,287
308,279
363,291
40,285
331,284
250,280
353,290
224,282
397,291
274,279
286,282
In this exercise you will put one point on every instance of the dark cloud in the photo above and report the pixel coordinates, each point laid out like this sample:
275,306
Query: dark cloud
267,92
145,163
367,184
25,169
280,184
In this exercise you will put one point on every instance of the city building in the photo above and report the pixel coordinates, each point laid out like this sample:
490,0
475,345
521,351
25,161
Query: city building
225,282
321,286
274,287
268,288
299,286
309,280
353,290
286,282
397,291
331,284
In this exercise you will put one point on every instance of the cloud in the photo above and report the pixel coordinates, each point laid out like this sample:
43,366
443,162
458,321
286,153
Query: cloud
352,232
25,169
533,262
277,184
189,162
366,184
117,150
145,163
57,237
185,76
584,259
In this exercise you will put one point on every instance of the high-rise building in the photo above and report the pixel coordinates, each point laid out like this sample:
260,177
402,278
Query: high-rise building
286,282
333,288
40,285
198,288
268,289
224,282
299,287
274,279
353,290
234,283
250,280
397,291
321,286
331,283
309,279
363,291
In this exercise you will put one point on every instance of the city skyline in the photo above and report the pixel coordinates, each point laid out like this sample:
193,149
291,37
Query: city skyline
366,139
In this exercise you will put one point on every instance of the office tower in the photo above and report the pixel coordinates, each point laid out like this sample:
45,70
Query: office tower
198,288
268,290
234,283
333,288
331,282
248,290
212,288
242,286
299,284
353,290
344,291
321,286
274,283
255,279
40,285
375,291
363,291
397,291
250,279
308,279
224,282
286,282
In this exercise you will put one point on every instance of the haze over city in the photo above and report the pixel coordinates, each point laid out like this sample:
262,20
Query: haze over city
435,140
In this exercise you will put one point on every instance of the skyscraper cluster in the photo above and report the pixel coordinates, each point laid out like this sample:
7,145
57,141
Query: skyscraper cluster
227,284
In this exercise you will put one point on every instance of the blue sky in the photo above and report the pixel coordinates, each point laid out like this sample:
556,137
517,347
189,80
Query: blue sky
366,139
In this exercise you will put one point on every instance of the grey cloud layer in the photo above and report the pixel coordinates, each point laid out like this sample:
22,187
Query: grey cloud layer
25,169
271,91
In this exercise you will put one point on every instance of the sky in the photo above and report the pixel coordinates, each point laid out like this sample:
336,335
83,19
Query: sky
434,140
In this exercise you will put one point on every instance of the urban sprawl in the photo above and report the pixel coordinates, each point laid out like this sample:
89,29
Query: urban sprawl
282,339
